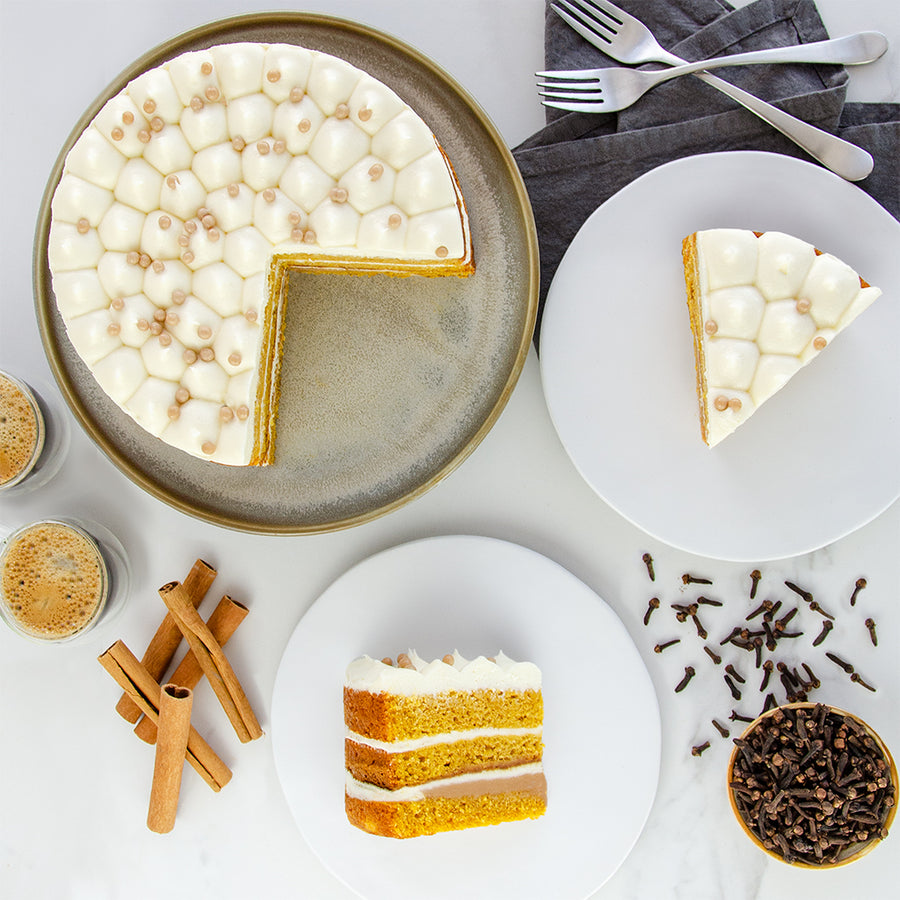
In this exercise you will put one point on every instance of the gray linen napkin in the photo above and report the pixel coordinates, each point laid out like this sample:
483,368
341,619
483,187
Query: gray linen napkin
577,161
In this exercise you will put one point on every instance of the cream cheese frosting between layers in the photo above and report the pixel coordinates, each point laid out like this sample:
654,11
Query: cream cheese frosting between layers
175,200
769,305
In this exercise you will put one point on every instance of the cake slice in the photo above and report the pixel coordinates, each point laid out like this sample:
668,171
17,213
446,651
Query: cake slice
762,306
442,745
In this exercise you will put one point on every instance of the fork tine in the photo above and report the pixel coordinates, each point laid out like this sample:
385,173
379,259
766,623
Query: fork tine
579,96
578,22
575,75
575,107
577,86
601,9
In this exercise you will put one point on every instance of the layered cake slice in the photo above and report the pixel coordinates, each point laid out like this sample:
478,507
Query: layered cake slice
196,189
442,745
762,306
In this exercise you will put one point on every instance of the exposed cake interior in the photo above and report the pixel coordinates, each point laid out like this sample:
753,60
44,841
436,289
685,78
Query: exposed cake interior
442,745
762,306
191,195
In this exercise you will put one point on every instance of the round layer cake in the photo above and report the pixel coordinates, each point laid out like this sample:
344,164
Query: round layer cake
196,189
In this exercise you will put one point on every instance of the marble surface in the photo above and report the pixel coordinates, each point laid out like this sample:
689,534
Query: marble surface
75,781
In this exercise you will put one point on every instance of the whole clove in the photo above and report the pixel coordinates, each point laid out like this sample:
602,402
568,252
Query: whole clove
713,655
660,647
815,607
870,624
768,665
860,584
702,633
648,562
755,576
708,601
827,625
733,672
721,728
806,595
700,748
856,678
840,662
735,692
763,607
688,675
687,578
737,717
794,787
654,604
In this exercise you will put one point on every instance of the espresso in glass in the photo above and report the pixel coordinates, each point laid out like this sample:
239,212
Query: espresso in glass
54,581
21,431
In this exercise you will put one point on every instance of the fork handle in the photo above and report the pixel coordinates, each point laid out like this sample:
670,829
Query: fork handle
843,158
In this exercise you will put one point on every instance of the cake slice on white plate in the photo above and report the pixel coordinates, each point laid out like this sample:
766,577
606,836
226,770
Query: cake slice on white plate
762,306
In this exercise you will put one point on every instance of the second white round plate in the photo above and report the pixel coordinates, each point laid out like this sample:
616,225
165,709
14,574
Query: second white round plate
818,460
477,595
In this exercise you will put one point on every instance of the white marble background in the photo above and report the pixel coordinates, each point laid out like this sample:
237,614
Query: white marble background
73,807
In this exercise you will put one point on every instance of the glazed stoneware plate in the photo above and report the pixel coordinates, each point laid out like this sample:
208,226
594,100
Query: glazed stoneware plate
478,595
818,460
387,383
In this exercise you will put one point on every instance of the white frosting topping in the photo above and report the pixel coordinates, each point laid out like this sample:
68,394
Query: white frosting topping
437,676
769,304
188,182
364,791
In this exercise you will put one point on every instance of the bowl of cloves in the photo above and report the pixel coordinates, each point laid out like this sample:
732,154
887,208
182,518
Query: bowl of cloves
812,785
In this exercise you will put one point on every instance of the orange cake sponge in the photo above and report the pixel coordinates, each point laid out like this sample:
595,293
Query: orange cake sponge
442,745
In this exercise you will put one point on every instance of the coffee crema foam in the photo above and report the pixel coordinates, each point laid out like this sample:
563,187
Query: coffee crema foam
54,581
19,431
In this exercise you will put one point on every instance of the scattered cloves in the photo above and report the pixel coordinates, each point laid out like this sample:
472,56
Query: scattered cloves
654,604
721,728
688,675
648,562
856,678
660,647
755,576
713,655
806,595
707,601
730,669
737,717
827,625
870,624
735,692
840,662
815,607
700,748
768,665
860,584
687,578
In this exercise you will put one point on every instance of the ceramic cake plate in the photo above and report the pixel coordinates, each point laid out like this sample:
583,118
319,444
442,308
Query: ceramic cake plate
416,371
478,595
818,460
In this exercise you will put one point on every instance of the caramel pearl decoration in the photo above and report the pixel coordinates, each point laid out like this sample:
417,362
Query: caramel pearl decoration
721,403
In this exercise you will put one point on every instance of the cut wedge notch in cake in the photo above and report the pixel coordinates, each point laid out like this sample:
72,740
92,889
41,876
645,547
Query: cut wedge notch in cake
442,745
191,195
762,306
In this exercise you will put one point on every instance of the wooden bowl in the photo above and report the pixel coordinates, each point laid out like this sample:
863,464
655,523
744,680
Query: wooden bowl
851,851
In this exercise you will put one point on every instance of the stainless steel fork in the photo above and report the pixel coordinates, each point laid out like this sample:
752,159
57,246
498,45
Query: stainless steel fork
626,39
617,87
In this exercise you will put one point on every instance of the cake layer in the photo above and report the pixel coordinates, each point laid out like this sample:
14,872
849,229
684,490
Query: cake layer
395,766
448,805
194,189
388,717
762,306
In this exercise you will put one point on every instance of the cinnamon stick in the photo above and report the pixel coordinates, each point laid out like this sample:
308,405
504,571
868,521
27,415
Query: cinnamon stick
174,728
222,623
212,661
144,690
164,643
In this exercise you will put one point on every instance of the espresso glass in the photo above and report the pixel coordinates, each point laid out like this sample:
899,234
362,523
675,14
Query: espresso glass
34,435
61,578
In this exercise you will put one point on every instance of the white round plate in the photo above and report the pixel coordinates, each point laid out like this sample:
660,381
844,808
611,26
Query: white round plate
478,595
818,460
